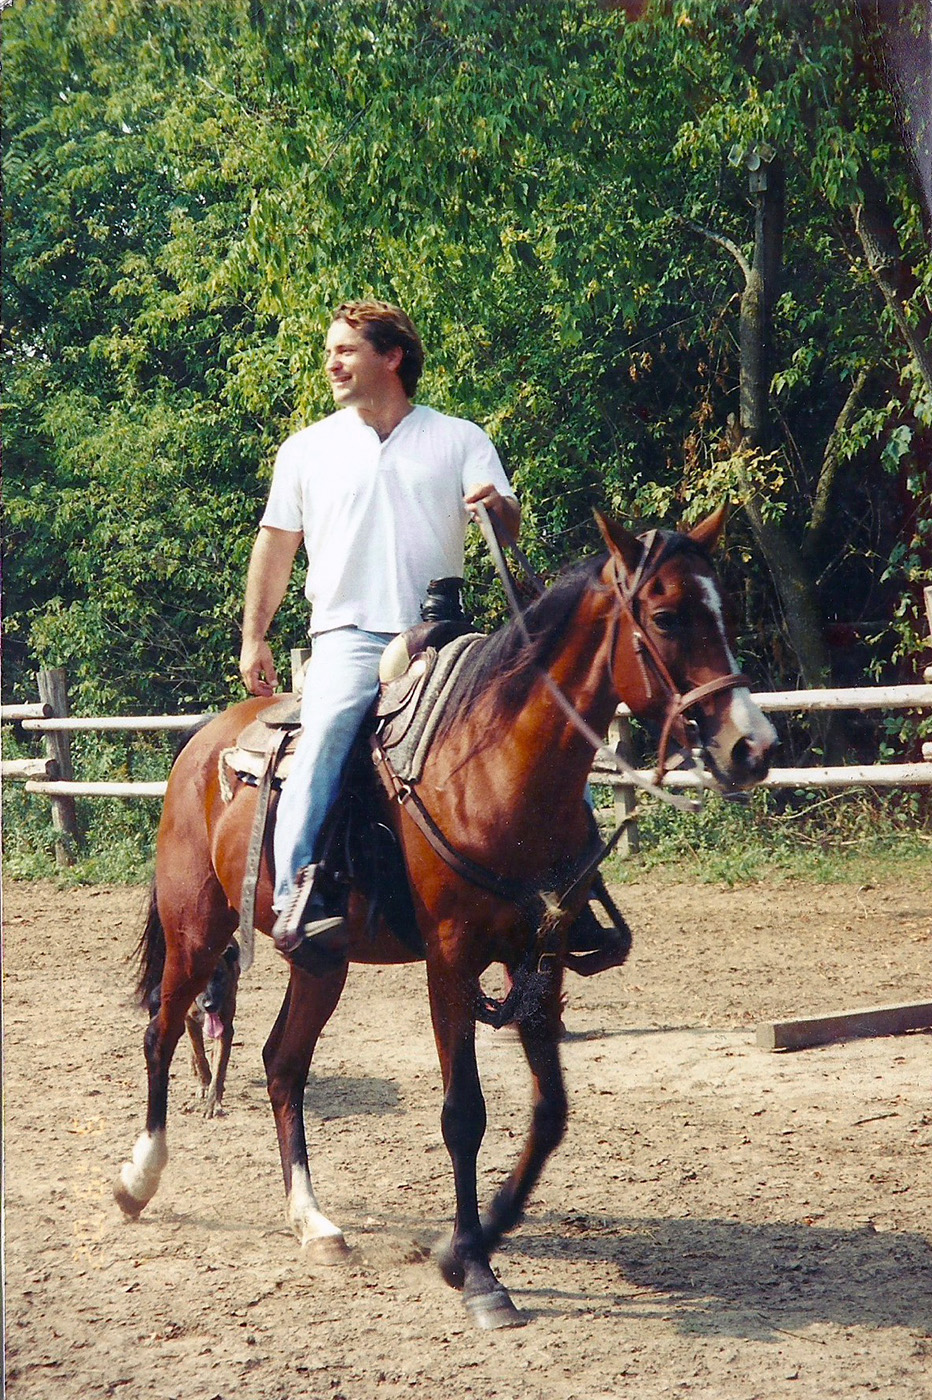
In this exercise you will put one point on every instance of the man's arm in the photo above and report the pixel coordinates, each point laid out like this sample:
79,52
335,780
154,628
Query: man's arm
266,584
505,508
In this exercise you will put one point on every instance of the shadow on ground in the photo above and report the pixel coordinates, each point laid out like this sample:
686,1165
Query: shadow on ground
731,1279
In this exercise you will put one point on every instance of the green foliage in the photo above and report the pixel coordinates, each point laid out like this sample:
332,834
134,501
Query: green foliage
117,834
190,187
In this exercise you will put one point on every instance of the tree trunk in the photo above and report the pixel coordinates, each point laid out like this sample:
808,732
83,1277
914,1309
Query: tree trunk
794,583
895,278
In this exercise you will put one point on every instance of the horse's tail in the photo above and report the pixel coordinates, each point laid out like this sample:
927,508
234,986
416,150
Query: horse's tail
150,952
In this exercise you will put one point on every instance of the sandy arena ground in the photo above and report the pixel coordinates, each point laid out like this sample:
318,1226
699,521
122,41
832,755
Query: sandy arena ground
720,1222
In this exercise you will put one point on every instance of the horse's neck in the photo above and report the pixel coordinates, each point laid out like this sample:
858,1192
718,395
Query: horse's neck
519,780
557,752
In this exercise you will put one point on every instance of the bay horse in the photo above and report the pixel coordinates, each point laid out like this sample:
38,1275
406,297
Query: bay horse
505,782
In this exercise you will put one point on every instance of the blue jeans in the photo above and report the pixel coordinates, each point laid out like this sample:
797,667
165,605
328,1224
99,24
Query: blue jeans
340,683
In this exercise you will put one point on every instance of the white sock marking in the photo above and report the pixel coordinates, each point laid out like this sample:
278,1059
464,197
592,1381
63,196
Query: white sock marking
306,1219
140,1176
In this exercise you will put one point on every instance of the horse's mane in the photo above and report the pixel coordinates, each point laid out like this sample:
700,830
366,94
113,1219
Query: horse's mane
505,659
511,664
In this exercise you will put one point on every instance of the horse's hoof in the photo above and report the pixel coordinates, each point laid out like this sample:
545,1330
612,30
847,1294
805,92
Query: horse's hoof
129,1205
491,1311
327,1250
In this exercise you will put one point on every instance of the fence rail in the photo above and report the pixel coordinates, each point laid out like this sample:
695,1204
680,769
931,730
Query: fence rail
848,775
53,776
74,724
55,788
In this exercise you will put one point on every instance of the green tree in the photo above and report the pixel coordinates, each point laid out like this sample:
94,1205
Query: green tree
559,195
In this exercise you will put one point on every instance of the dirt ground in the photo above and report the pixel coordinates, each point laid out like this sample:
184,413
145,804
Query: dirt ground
720,1222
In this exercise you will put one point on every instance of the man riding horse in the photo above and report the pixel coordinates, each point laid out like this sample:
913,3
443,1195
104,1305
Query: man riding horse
494,831
380,492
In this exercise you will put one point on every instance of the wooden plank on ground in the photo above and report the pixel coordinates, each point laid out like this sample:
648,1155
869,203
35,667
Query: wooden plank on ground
805,1031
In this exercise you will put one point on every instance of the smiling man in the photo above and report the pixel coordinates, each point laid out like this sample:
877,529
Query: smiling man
380,493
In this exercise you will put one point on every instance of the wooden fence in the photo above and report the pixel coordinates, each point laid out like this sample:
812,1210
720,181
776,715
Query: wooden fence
52,775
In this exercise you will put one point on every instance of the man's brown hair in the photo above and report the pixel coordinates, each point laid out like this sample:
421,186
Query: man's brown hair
385,327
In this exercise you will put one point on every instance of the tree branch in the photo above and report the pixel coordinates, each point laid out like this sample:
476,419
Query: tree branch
873,222
831,463
724,242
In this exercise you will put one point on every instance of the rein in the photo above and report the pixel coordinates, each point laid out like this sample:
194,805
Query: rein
627,593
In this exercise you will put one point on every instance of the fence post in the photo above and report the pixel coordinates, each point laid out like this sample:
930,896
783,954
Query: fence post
619,738
300,656
53,691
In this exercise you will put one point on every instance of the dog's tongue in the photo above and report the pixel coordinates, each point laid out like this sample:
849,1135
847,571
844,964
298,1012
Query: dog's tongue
213,1025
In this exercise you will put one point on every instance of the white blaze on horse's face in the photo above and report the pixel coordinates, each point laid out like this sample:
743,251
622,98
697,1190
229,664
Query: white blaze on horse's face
740,749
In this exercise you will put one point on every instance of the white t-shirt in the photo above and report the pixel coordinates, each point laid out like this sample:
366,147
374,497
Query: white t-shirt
380,519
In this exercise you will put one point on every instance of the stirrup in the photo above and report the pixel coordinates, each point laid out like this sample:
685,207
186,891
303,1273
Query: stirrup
592,947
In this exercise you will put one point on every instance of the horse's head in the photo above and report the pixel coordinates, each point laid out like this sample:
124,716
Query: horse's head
672,659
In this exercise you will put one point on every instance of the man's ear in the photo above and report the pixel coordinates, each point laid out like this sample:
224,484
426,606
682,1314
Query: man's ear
394,357
709,531
621,543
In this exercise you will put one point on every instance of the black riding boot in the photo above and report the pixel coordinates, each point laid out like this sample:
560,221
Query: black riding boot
311,930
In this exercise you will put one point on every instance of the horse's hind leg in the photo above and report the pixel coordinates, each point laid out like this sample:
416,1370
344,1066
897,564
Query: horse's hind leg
191,952
309,1003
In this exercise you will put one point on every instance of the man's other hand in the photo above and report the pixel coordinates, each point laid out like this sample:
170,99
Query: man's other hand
258,669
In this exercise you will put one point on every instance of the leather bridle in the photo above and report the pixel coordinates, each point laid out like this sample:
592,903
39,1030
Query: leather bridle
549,912
658,547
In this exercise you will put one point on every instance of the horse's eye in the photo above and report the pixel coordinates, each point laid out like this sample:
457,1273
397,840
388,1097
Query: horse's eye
665,621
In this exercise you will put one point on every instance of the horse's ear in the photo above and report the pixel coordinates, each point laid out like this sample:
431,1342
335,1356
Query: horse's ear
620,541
708,532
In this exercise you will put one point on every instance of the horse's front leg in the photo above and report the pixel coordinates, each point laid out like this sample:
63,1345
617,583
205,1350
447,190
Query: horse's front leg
540,1031
309,1003
465,1264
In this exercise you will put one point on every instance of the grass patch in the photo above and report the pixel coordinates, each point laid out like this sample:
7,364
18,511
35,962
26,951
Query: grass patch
117,834
854,836
112,852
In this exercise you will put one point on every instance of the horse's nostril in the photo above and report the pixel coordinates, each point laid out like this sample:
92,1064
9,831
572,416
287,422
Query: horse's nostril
752,760
741,754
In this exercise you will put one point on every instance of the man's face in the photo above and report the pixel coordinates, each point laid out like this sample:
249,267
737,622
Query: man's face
360,377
